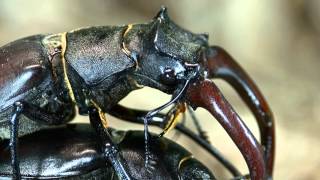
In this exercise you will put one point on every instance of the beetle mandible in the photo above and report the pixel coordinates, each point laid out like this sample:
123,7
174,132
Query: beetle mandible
44,77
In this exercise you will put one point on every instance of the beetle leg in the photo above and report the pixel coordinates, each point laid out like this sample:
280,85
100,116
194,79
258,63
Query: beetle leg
203,134
33,113
172,117
14,124
221,65
178,94
136,116
149,160
110,150
210,149
181,123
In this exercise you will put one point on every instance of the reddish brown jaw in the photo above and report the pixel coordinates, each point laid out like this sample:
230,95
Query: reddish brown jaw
220,64
204,93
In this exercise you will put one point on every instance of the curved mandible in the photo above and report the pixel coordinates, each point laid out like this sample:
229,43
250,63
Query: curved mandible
221,65
204,93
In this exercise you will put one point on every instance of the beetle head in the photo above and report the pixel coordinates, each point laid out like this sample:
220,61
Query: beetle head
174,58
170,54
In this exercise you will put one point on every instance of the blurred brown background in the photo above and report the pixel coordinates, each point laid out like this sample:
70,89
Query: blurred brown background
277,42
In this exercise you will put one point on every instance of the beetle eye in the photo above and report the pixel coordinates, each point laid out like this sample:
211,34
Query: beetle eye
169,76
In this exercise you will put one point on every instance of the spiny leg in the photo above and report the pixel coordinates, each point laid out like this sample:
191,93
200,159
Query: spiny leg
150,161
172,117
221,65
137,116
110,149
177,96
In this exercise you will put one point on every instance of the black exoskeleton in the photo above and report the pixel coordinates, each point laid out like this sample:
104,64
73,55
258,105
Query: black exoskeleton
43,78
175,162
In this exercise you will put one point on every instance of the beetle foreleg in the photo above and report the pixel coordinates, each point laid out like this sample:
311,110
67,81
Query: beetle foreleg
181,122
172,117
136,116
109,149
14,124
176,97
149,161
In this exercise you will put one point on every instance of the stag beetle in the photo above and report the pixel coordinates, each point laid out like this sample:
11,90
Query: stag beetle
45,149
44,77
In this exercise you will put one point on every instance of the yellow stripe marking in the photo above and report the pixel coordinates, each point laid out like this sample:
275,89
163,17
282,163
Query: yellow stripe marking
174,118
184,160
66,79
124,47
102,115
